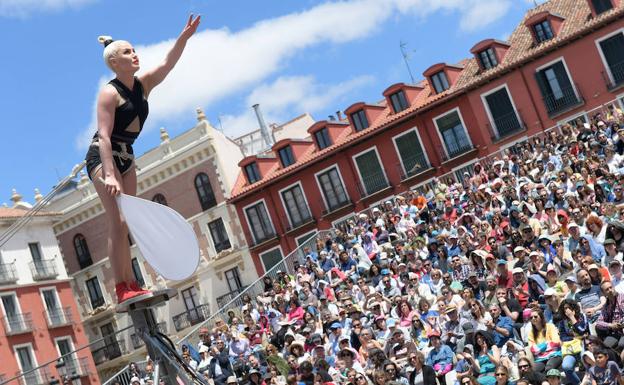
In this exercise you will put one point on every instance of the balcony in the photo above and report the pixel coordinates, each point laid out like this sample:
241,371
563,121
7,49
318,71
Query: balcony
226,298
372,184
108,349
138,342
302,222
263,238
339,205
413,165
191,317
565,100
506,125
70,367
39,376
58,317
18,324
616,80
456,149
8,273
44,269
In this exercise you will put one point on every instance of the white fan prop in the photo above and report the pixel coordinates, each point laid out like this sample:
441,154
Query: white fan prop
166,240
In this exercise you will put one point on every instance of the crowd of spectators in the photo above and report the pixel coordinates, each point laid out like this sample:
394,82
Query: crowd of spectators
511,276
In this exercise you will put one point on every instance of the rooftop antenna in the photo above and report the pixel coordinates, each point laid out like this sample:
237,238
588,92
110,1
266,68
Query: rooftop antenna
220,123
405,55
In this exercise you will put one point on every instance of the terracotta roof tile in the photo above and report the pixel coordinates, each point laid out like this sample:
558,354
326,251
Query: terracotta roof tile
10,213
577,19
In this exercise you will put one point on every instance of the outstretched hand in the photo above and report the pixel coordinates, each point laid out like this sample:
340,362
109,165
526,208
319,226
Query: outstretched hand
190,27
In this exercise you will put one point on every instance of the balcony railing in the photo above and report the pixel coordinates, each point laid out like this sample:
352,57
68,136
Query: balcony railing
40,376
412,165
225,298
137,341
8,273
337,206
58,317
71,367
191,317
372,183
617,76
44,269
456,148
305,220
265,237
108,349
18,323
562,101
506,125
95,303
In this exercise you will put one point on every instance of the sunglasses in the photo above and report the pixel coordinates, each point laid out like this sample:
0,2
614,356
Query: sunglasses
523,366
500,374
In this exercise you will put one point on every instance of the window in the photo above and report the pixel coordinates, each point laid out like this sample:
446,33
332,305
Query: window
82,251
296,206
504,118
613,52
488,58
204,191
136,271
557,90
35,251
371,172
601,6
271,258
14,320
159,198
219,235
191,303
27,363
543,31
95,292
259,222
453,134
233,280
332,189
412,156
399,103
54,309
440,82
322,138
459,173
359,119
111,344
286,156
251,170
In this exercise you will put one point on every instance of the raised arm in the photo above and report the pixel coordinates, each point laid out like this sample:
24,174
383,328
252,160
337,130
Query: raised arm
154,77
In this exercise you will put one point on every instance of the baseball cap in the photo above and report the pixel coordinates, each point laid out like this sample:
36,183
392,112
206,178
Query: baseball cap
501,262
609,241
549,292
335,325
553,373
517,270
571,278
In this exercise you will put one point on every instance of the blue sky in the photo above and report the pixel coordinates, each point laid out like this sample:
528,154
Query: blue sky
289,56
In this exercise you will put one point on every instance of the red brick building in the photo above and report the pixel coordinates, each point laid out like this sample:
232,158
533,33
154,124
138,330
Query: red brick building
563,60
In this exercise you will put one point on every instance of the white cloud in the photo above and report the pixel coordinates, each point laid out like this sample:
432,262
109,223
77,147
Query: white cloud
22,8
289,96
219,63
480,11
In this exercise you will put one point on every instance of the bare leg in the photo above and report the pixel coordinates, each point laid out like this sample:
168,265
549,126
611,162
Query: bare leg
118,245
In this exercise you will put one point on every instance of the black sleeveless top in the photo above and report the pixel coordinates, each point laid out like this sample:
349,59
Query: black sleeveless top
135,105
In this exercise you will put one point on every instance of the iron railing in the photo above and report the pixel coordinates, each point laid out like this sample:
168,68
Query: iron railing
617,76
191,317
337,206
563,100
8,273
38,376
265,237
506,125
58,317
138,342
108,349
455,149
288,264
18,323
43,269
225,298
413,165
303,221
372,183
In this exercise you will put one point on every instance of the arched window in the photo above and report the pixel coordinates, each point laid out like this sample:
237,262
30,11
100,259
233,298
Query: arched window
204,191
82,251
159,198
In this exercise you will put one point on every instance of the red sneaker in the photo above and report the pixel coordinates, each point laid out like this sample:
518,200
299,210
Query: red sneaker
134,286
125,292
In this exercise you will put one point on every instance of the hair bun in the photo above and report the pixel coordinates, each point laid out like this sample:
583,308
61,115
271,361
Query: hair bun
105,40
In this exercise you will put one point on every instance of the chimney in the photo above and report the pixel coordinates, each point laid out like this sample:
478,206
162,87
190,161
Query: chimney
331,118
264,131
339,115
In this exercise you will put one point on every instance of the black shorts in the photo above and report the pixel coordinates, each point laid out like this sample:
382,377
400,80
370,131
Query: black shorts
123,157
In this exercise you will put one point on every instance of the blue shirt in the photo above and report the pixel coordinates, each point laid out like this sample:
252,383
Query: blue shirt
442,356
503,323
346,266
327,264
